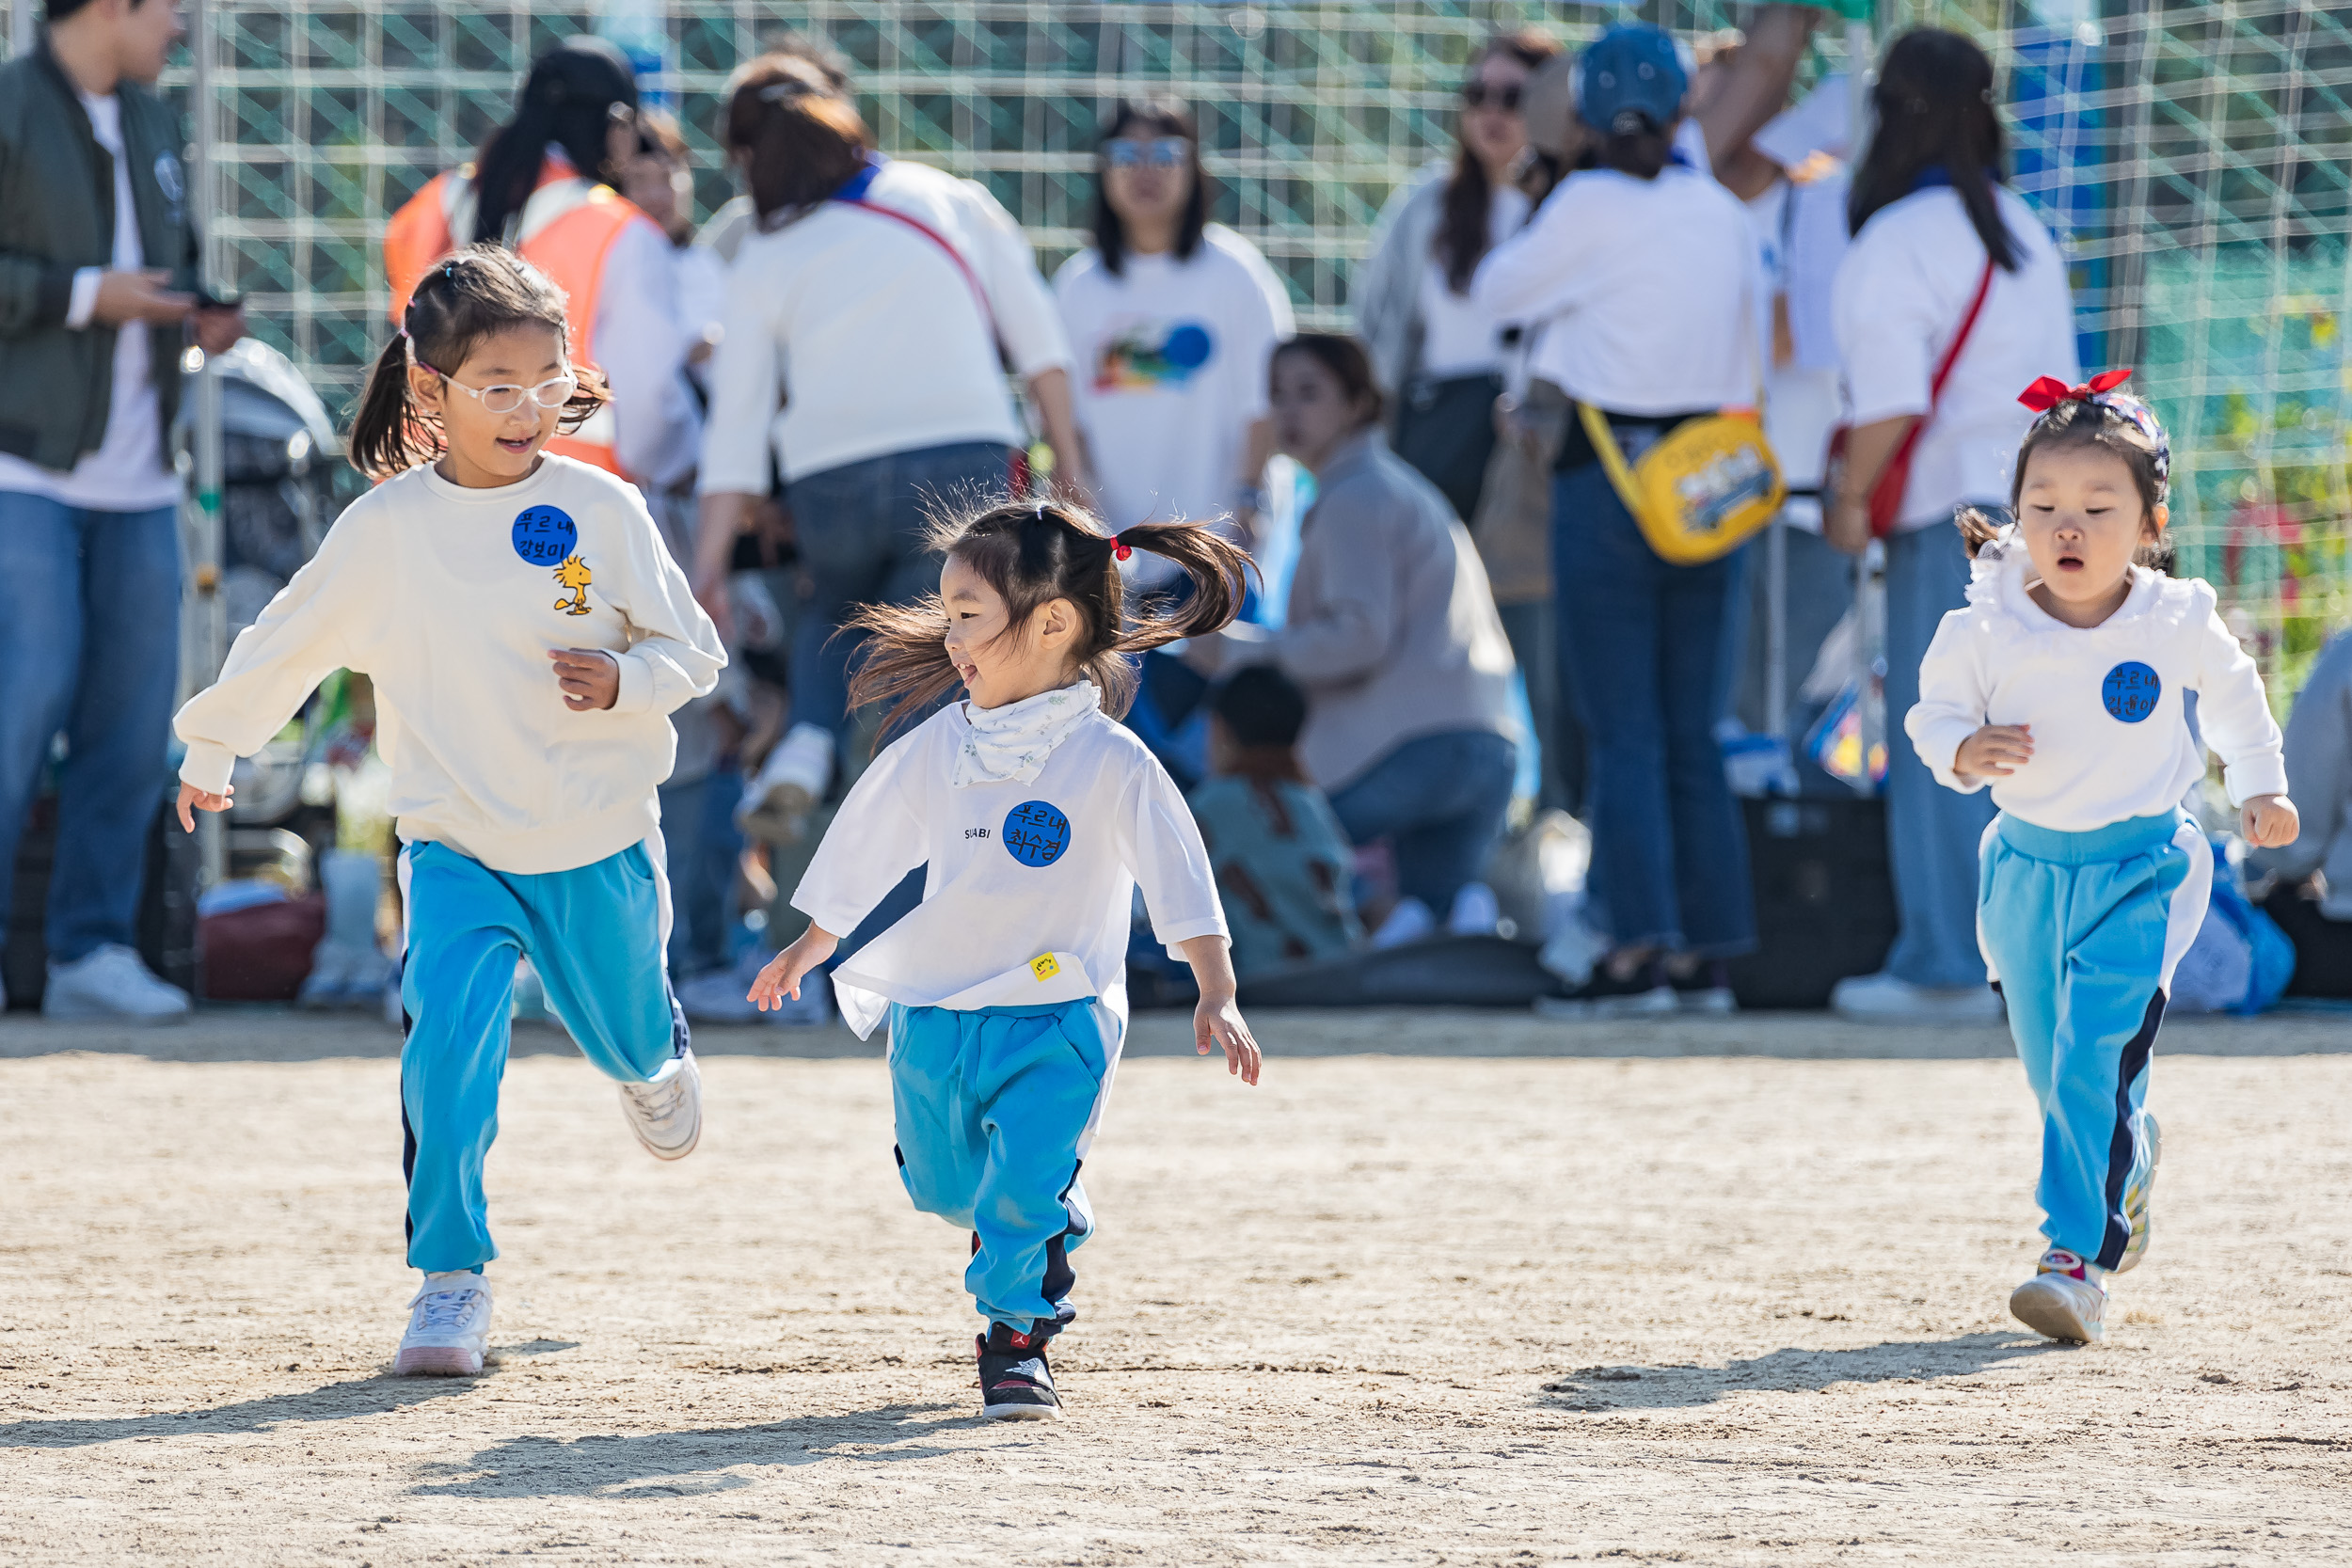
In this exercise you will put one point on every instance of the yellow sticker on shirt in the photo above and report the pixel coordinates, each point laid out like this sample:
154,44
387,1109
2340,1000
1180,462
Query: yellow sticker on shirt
572,573
1043,967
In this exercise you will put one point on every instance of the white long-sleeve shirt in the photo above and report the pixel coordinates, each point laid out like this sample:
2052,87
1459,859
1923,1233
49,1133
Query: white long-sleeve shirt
449,599
1031,884
1645,291
850,335
2110,732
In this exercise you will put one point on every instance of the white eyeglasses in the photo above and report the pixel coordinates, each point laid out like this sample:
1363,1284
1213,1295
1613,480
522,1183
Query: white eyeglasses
506,397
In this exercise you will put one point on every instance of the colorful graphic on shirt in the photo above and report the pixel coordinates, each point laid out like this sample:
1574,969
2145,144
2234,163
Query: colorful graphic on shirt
1044,967
544,536
574,575
1146,356
2130,692
1035,834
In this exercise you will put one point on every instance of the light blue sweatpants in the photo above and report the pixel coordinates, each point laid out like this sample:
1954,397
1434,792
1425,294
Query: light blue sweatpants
993,1108
595,934
2081,931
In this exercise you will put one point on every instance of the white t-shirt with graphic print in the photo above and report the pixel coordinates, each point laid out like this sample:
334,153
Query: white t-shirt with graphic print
1171,372
1030,887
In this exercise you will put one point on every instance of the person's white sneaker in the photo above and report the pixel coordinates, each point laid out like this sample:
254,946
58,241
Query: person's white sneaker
2139,1194
449,1327
1882,998
1476,910
790,783
666,1111
1410,920
111,982
2065,1299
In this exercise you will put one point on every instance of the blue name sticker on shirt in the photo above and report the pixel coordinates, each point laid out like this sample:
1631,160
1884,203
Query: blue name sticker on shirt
545,534
1036,834
2130,692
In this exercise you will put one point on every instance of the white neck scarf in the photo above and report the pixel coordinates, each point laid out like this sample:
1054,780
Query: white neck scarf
1013,741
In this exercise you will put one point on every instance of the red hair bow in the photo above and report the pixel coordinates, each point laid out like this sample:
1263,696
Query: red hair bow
2048,391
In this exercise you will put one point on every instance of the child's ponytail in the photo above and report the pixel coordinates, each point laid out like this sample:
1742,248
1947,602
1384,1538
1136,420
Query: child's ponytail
470,295
1032,553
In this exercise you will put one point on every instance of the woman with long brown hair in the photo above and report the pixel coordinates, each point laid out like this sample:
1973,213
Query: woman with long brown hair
869,322
1437,353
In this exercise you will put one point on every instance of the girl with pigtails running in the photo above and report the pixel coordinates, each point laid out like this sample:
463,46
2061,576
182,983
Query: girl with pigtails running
2059,684
1037,816
528,637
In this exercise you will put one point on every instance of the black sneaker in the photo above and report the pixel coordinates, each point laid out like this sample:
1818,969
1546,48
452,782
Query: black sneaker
1705,990
1016,1385
1644,993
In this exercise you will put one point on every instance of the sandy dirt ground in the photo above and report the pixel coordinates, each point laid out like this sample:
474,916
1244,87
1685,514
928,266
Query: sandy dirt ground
1445,1290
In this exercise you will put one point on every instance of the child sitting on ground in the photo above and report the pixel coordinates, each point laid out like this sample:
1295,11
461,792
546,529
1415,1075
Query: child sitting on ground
2059,684
1282,865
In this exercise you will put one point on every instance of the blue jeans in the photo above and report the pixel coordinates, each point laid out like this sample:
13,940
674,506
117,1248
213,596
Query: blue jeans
1932,832
594,933
89,644
1642,644
861,529
698,825
1440,800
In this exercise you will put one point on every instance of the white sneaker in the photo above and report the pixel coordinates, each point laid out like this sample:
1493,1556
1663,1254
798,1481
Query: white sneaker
2066,1299
111,982
666,1111
1475,911
1882,998
1410,920
790,785
2136,1196
449,1327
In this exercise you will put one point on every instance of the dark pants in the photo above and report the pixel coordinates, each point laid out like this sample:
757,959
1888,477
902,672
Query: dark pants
1641,644
1446,429
861,529
89,644
1440,800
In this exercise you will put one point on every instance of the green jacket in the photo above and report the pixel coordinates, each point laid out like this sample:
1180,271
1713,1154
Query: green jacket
56,216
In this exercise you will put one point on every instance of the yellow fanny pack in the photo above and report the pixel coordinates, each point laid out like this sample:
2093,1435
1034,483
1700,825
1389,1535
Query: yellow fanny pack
1701,490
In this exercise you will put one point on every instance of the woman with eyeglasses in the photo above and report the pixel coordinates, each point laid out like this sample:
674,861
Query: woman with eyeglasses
1437,352
869,320
547,184
1171,318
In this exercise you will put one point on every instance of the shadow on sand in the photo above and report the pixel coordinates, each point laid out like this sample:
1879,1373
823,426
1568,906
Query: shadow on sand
1789,1370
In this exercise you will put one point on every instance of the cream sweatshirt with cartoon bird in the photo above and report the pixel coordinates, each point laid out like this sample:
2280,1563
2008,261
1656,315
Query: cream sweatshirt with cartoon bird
449,599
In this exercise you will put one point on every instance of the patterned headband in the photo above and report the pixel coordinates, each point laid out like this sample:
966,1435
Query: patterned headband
2048,393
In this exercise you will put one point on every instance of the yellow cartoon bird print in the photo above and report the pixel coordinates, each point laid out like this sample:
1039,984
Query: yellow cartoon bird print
573,574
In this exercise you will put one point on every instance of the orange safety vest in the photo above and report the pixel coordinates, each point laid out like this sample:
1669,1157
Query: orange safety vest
570,248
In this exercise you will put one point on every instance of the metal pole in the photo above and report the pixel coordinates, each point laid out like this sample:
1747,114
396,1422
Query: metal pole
1870,570
210,613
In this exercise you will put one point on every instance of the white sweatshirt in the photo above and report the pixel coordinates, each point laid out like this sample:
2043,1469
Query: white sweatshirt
1030,890
449,600
2110,732
852,334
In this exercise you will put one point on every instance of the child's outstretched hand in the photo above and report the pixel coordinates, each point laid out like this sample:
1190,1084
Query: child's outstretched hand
191,795
787,969
2269,821
1994,752
590,678
1218,1021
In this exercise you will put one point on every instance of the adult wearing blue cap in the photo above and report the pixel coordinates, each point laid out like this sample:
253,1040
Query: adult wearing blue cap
1642,273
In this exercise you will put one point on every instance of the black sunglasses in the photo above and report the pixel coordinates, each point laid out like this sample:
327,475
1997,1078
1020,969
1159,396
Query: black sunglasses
1478,94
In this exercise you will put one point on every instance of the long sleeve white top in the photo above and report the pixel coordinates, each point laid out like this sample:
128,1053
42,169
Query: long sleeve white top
449,599
1645,291
2110,731
1030,886
642,341
850,335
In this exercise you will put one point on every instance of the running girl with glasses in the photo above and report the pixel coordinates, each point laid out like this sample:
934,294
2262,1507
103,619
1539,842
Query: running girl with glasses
528,636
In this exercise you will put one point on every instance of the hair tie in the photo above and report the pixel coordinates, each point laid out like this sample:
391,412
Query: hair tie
2048,391
1120,546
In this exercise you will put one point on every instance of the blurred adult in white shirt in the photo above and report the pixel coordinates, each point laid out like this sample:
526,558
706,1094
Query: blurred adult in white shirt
1932,221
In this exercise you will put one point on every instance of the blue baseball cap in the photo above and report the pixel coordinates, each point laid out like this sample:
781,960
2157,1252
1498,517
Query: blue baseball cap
1630,70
